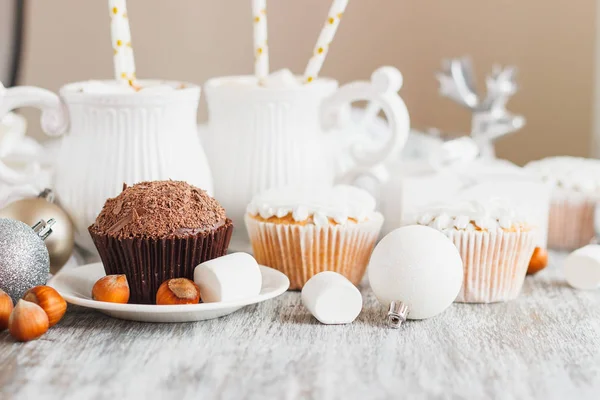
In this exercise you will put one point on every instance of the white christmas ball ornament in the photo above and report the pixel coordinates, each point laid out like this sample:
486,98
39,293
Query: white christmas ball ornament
416,271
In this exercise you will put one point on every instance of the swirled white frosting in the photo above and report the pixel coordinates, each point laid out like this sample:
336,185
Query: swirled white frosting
470,215
321,203
573,173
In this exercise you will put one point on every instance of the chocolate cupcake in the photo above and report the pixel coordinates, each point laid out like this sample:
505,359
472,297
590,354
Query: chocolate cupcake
154,231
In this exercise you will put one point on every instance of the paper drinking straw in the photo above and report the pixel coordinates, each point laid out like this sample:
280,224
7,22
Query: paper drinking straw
261,48
324,40
121,42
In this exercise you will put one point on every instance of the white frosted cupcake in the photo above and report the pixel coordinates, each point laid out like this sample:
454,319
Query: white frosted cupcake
494,242
576,190
302,232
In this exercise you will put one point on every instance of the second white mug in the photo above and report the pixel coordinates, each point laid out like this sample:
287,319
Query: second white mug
265,137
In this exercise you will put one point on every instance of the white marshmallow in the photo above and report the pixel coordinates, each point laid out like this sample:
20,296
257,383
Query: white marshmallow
284,78
331,298
582,267
232,277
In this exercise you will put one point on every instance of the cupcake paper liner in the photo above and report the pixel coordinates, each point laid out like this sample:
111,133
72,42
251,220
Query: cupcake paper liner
571,223
302,251
147,263
495,264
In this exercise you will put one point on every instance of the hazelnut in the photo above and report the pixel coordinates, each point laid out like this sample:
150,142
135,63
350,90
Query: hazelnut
6,307
539,261
28,321
50,301
112,289
178,291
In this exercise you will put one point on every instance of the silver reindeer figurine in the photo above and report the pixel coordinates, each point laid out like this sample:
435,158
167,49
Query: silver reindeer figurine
490,119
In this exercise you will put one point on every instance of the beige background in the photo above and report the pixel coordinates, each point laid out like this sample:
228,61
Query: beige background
6,38
552,43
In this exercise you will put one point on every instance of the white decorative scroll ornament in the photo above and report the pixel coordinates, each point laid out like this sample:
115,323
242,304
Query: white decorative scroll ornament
490,119
21,173
17,183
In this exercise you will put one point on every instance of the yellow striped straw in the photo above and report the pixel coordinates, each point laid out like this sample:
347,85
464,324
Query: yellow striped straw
261,48
121,42
324,41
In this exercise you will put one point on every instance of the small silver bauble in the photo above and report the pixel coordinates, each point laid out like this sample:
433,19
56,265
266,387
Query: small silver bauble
31,210
24,258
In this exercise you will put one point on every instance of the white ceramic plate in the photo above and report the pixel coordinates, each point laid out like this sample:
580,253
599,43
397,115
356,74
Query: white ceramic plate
75,285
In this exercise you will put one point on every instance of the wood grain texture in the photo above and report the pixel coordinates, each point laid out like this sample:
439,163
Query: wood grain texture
545,345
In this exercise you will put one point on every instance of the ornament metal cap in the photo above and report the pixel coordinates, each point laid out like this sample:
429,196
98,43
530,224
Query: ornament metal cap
47,194
43,228
397,314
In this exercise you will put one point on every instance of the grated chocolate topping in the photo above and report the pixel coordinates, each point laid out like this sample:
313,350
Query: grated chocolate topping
159,209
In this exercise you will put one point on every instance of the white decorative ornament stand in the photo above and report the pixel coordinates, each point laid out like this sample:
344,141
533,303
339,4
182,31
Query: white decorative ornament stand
21,161
490,119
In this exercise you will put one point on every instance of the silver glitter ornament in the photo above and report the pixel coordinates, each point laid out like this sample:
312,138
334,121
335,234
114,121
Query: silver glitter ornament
31,210
24,258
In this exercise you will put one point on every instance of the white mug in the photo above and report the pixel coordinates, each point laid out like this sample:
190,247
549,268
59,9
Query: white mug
264,137
115,138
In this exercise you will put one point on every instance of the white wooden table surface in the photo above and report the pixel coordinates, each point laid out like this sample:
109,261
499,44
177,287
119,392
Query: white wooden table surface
545,345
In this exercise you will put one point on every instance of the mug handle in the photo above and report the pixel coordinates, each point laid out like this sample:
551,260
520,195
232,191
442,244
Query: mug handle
54,117
363,154
54,121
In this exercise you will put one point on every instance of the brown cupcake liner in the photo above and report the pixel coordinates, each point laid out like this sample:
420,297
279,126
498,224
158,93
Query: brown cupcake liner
302,251
571,223
495,264
149,262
